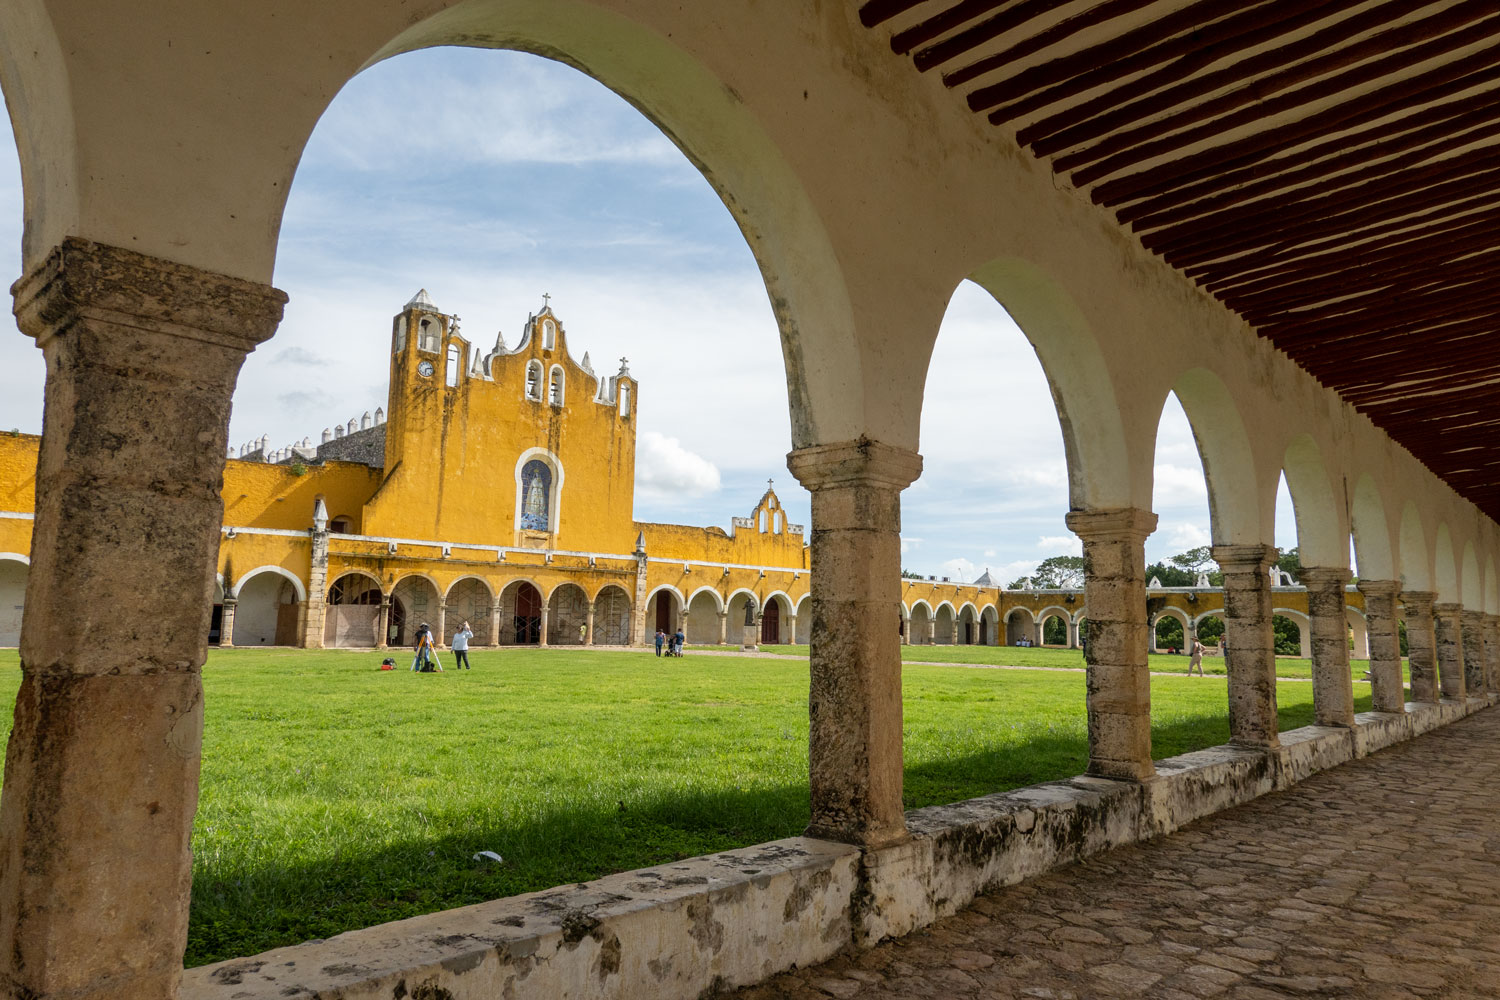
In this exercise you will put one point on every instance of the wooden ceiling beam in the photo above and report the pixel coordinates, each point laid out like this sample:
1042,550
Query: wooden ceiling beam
1124,150
954,17
1477,69
1137,114
1194,36
876,12
971,38
1411,151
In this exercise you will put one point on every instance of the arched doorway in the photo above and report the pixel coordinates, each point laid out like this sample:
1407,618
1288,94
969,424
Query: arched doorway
770,623
469,601
352,616
267,612
525,618
612,617
567,615
13,574
418,599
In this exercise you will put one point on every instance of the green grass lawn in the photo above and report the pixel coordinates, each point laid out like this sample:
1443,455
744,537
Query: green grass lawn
1036,656
335,796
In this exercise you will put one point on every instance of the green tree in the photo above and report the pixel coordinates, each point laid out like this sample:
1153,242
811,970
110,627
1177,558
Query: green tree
907,574
1288,636
1211,630
1055,631
1170,576
1059,573
1168,633
1195,561
1290,561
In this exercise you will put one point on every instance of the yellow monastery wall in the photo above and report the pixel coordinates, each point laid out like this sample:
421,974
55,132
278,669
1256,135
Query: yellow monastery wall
18,475
257,495
246,553
453,452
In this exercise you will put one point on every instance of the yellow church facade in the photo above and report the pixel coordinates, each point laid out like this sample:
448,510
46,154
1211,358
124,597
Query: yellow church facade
497,489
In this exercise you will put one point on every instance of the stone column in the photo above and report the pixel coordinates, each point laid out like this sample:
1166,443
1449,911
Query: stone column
495,623
1333,685
724,627
542,631
383,624
226,623
791,629
1387,694
317,580
854,747
1492,653
1474,674
638,633
1119,678
442,624
1036,633
101,774
588,631
1072,633
683,624
1449,632
1247,625
1421,644
932,631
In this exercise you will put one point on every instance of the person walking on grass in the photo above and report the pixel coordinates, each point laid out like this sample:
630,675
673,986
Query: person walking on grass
1196,657
661,637
460,647
677,640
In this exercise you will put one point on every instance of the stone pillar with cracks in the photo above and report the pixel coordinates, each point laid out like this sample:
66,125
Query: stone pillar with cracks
1333,686
1386,690
495,622
854,744
383,623
226,623
724,627
440,639
1421,643
588,626
542,630
1474,672
317,579
1449,633
1119,676
101,773
1252,646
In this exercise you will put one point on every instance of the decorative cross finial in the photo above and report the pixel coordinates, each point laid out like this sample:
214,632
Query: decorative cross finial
546,300
768,484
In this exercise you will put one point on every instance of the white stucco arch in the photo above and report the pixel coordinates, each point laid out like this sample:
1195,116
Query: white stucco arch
1444,567
360,574
15,569
1416,559
1322,538
279,571
1491,596
718,599
1471,585
466,579
1373,552
1094,442
1229,467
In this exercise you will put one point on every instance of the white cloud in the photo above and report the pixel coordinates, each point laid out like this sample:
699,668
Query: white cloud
959,570
1068,545
908,543
665,468
1184,535
1178,486
990,553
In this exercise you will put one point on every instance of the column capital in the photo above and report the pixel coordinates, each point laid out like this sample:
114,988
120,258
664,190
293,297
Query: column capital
1418,601
1121,523
1378,588
1324,576
229,601
84,280
1244,558
854,463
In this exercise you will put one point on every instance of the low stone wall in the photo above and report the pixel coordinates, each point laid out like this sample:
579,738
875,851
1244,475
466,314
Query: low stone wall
737,918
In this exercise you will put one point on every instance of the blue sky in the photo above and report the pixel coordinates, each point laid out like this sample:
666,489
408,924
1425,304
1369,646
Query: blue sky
490,178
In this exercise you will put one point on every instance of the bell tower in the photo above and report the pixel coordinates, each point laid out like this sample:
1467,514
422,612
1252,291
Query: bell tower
417,371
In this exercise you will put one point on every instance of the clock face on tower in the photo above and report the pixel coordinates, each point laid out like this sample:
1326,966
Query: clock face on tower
425,369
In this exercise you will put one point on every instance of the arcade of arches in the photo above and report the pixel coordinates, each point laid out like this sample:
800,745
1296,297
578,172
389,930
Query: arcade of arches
1295,238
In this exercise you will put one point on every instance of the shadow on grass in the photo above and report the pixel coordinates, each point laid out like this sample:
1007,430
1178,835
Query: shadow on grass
246,911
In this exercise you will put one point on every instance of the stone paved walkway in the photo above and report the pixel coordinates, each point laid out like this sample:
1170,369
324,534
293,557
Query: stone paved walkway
1379,879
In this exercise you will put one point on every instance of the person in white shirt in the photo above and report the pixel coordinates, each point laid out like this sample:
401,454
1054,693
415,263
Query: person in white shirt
460,647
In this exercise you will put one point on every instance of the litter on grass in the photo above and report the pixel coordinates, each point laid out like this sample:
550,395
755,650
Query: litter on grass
491,855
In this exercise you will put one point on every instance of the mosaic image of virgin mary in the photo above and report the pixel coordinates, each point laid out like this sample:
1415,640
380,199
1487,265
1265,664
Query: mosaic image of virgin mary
536,492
